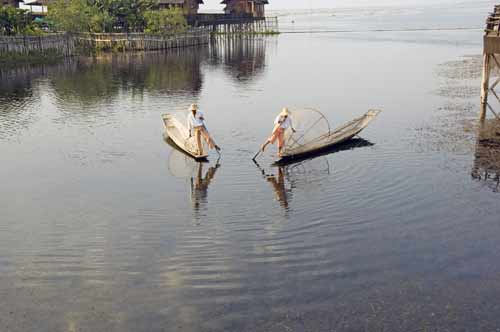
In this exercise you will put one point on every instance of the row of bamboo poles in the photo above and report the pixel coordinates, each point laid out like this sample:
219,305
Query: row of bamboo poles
62,43
70,44
262,26
142,41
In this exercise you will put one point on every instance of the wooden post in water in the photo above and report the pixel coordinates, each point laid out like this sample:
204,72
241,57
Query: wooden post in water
485,85
491,48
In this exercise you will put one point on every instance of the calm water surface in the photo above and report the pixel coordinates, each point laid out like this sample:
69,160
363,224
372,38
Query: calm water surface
106,227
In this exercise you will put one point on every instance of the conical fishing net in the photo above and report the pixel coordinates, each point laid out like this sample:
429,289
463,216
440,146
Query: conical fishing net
310,126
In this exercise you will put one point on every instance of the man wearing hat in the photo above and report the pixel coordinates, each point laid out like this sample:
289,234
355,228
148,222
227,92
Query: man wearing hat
196,124
281,124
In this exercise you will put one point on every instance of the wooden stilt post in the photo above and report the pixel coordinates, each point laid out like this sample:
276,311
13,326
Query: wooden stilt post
485,86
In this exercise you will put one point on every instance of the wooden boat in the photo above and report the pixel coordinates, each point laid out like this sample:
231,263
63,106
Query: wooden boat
298,148
179,134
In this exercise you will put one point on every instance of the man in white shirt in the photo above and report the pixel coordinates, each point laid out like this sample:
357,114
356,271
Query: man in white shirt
282,122
196,126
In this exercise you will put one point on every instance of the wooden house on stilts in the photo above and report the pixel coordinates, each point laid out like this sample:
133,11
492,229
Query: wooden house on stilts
251,8
13,3
190,7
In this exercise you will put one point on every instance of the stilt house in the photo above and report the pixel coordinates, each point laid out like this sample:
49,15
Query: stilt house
253,8
13,3
190,7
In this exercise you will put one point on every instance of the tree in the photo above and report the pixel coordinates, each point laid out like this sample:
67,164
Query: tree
78,16
165,21
15,21
130,14
100,15
115,15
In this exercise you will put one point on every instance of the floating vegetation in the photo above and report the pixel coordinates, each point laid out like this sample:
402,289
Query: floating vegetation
453,127
468,68
458,91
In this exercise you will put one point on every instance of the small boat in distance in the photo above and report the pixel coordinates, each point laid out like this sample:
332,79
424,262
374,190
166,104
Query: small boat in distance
314,134
179,134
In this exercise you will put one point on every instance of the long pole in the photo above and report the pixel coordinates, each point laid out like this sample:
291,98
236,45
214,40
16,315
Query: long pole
485,85
256,155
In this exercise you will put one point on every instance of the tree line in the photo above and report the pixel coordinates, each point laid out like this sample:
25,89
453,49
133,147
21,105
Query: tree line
95,16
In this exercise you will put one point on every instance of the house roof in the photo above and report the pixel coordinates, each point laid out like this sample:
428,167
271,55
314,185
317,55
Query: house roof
37,3
260,2
175,2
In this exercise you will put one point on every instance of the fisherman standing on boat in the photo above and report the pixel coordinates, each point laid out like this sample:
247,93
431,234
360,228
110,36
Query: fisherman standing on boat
282,122
196,124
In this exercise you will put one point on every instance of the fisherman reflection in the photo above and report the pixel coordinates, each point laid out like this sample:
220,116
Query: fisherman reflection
200,183
198,176
278,183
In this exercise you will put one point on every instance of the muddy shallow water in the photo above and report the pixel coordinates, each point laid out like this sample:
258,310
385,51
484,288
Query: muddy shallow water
107,227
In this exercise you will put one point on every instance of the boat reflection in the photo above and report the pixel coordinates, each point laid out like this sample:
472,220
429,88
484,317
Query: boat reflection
304,173
200,175
351,144
486,166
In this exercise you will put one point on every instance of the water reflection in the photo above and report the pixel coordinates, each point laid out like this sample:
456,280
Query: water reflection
92,86
200,175
199,187
101,78
16,92
306,172
487,155
244,57
277,181
285,178
351,144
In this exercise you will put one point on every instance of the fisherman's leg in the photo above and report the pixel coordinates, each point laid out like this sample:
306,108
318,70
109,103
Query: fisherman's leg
281,142
270,140
198,141
208,139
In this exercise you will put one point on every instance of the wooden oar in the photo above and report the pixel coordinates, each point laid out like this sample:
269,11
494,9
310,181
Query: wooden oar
256,155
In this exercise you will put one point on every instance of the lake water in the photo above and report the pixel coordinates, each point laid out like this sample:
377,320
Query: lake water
106,227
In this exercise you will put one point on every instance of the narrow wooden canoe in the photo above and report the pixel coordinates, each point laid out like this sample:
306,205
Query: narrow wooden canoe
179,134
294,149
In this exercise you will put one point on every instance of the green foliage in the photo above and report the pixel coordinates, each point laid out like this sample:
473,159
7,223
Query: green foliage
14,21
78,16
165,21
100,15
129,14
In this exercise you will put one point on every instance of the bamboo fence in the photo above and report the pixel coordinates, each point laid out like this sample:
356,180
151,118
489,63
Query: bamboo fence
69,44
